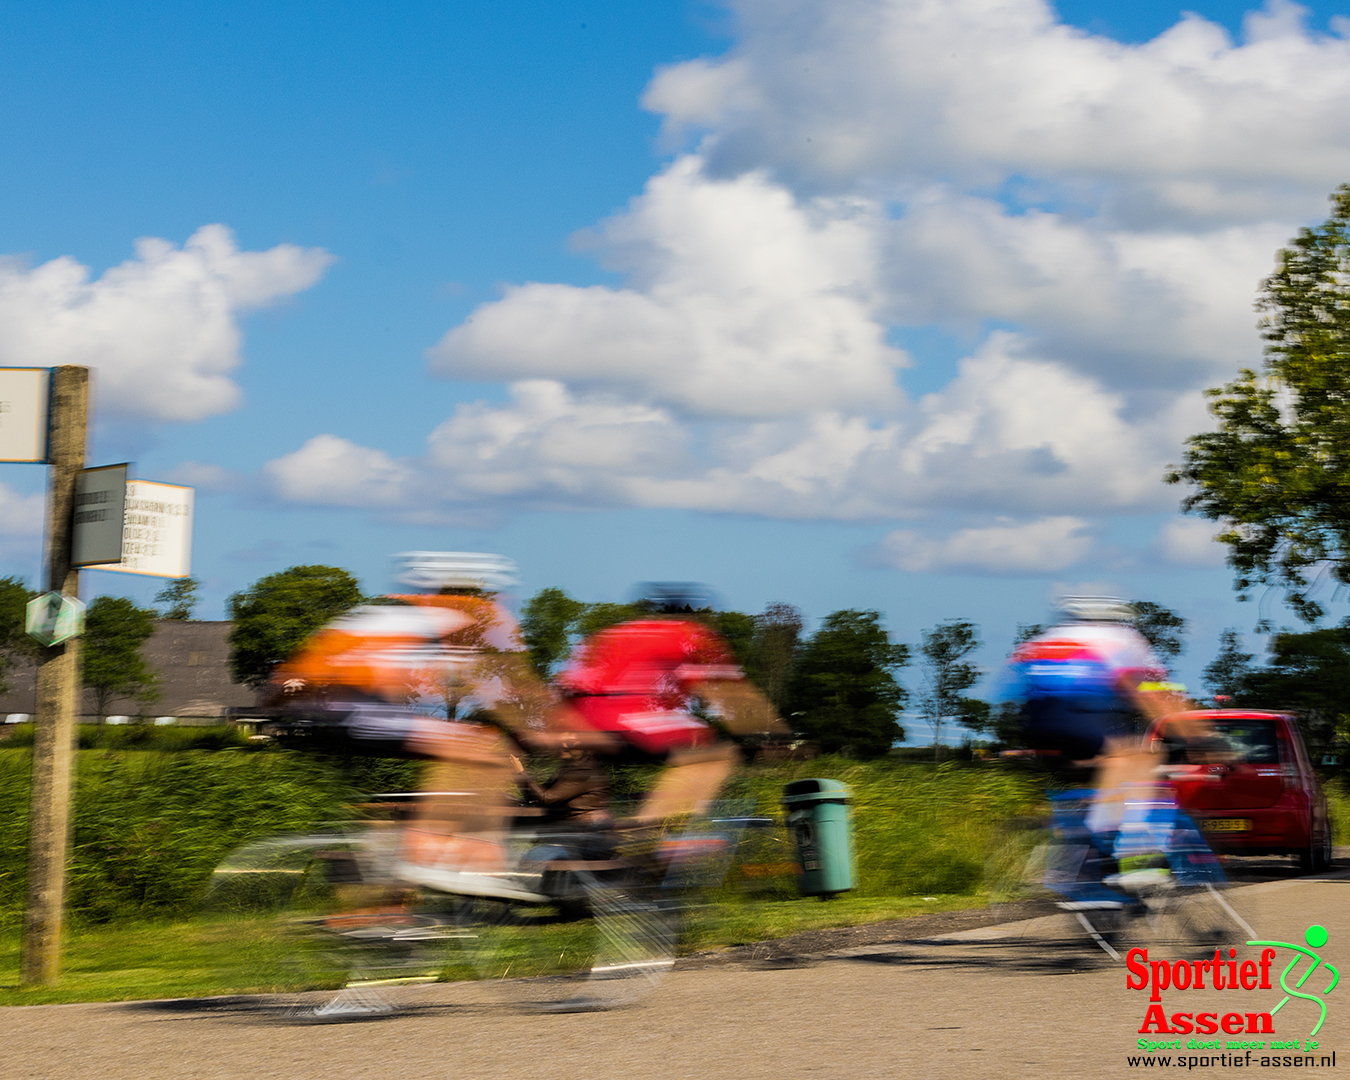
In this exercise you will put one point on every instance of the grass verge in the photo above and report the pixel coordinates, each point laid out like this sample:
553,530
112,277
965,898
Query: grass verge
256,956
159,960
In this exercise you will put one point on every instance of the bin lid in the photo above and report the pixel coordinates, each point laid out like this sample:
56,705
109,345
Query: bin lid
816,791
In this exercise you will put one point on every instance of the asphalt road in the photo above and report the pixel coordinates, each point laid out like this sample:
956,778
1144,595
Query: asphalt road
1031,1000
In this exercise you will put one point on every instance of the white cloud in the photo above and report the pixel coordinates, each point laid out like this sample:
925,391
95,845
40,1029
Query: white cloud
1160,308
884,92
1190,542
1010,434
1035,547
161,331
1015,431
548,446
742,303
331,471
1092,219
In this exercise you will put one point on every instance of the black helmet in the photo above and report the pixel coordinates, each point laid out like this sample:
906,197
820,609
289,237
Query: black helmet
674,597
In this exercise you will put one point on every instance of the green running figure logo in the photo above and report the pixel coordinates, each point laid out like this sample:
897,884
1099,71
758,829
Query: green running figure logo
1316,937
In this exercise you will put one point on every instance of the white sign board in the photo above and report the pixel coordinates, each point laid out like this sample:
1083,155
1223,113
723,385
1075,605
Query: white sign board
100,500
23,414
157,535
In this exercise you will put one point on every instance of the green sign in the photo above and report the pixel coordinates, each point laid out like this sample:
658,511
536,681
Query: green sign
54,618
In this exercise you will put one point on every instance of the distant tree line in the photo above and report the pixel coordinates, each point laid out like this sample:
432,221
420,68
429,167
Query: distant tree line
838,687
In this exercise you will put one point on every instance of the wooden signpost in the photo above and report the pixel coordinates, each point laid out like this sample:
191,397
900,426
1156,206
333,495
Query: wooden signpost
58,680
97,518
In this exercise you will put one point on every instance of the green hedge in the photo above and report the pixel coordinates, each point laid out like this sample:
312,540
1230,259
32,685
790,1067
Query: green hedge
919,830
150,827
143,737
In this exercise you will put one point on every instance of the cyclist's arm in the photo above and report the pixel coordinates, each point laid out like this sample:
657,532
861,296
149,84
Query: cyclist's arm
740,706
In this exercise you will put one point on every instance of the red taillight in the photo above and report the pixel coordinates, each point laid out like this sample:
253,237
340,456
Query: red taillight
1289,774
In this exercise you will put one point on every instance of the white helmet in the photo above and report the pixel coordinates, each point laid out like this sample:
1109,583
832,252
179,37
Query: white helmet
1107,609
434,570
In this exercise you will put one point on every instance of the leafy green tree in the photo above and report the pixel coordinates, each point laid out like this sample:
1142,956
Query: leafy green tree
547,624
1309,674
947,674
844,694
1162,627
14,640
179,597
552,622
1225,675
111,662
275,614
603,615
1276,470
738,631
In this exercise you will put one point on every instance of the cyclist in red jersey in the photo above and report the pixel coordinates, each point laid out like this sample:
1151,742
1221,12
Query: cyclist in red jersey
636,684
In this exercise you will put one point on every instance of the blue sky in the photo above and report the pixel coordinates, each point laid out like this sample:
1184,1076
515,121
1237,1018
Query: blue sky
803,297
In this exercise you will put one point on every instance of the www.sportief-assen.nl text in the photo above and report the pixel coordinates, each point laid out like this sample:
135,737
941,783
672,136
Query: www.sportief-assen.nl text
1209,1061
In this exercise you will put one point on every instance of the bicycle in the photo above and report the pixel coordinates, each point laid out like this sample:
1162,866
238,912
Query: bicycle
573,920
1154,882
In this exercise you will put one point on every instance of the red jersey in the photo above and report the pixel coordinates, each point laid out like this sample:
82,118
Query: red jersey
634,680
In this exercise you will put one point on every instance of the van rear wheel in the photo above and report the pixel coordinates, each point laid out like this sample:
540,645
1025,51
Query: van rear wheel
1316,858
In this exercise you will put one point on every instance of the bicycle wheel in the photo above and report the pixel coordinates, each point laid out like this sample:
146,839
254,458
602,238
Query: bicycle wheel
345,923
1015,873
1068,923
537,958
1192,921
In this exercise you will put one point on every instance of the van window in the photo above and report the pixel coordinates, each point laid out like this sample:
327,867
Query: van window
1254,742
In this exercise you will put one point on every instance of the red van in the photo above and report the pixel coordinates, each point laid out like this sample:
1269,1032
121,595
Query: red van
1246,779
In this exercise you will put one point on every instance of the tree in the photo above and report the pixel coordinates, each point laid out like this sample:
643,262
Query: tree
14,639
547,624
947,675
773,651
737,629
603,615
551,623
275,614
844,694
1225,675
1309,674
111,662
1276,471
1162,627
179,597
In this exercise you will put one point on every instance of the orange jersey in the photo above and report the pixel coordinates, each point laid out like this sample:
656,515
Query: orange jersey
390,651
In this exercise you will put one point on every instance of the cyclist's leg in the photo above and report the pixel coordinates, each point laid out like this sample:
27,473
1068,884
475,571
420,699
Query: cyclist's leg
691,780
460,824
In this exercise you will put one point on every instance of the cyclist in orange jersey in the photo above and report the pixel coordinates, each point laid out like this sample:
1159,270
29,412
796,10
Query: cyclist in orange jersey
374,680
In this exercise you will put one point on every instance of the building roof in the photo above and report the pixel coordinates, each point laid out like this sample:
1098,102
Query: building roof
192,660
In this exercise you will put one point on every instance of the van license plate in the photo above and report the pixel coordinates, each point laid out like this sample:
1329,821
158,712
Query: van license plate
1227,824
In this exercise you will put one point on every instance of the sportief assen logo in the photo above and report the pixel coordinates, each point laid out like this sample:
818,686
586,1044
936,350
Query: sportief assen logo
1231,973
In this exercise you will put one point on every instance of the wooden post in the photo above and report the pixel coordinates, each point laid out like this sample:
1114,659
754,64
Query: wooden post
57,694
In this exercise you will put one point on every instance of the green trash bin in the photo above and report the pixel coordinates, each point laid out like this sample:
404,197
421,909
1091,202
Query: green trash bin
821,823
